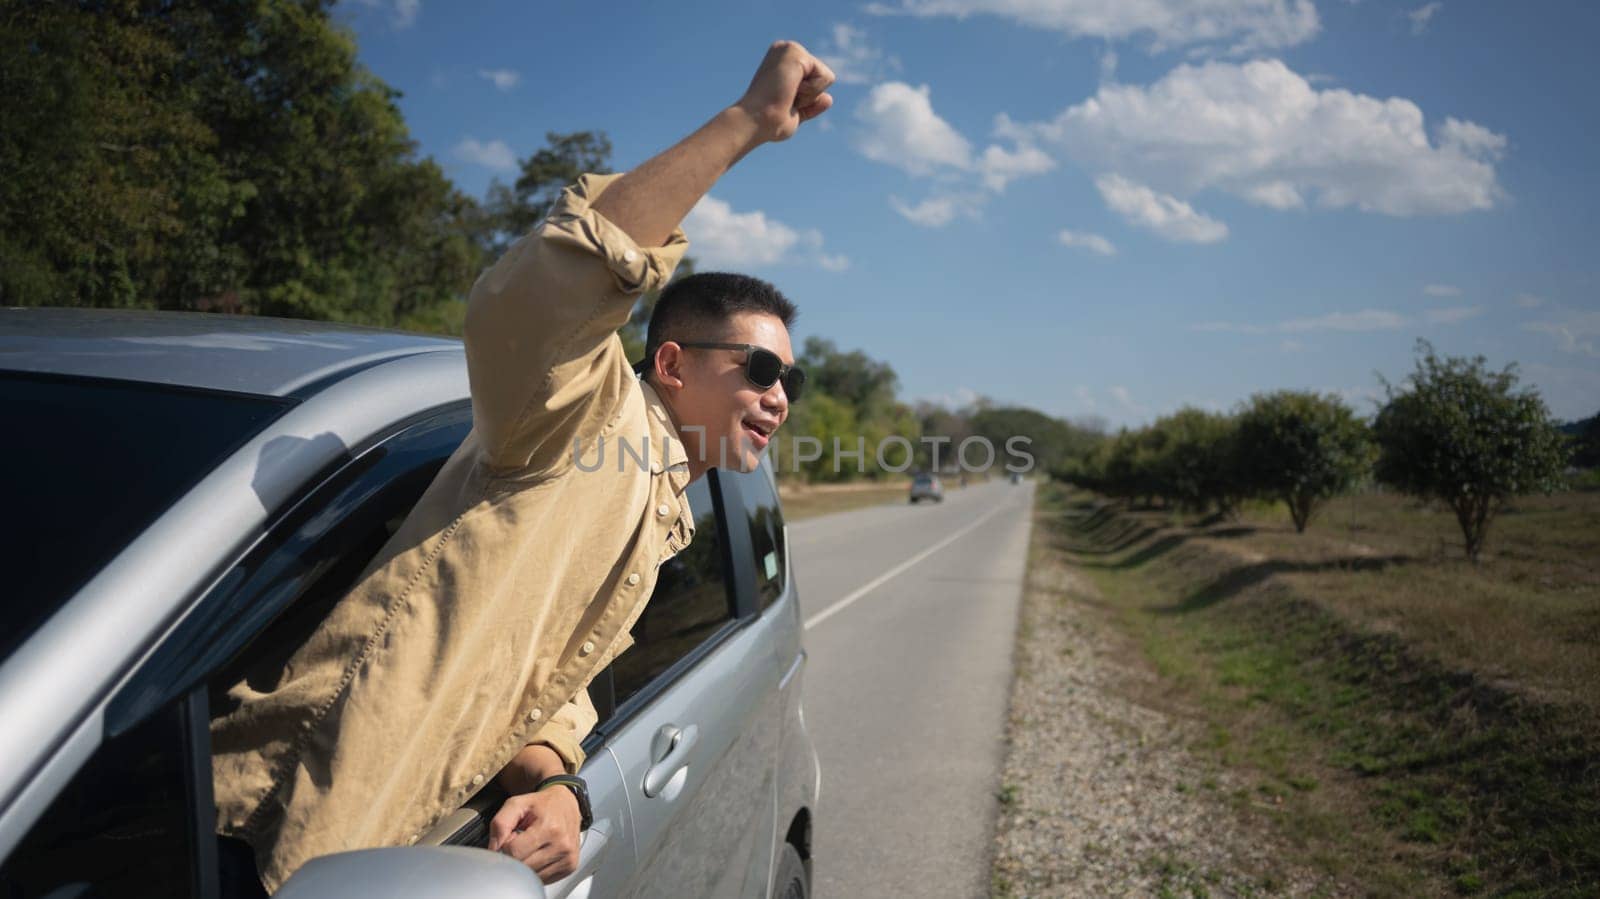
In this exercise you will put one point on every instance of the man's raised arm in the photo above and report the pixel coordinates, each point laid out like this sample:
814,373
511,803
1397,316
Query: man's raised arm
790,87
540,319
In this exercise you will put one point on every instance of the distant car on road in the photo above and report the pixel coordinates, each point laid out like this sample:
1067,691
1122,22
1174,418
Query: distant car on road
188,495
926,486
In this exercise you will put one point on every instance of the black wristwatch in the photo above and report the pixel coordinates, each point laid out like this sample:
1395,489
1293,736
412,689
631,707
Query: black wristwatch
579,789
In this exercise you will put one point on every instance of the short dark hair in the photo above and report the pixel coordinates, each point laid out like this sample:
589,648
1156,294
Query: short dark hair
698,308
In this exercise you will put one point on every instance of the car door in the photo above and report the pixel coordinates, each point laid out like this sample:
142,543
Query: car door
694,729
312,560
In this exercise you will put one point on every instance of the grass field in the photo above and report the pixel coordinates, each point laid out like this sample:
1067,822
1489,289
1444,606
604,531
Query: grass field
1416,724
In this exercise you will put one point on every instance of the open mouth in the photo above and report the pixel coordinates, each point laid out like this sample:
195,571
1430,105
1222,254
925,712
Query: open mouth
759,433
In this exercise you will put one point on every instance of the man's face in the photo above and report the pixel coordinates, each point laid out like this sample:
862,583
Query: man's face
739,418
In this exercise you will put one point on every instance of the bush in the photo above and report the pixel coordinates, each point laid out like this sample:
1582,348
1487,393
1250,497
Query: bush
1302,448
1466,436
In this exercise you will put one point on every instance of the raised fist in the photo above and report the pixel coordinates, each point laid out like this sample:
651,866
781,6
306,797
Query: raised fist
790,87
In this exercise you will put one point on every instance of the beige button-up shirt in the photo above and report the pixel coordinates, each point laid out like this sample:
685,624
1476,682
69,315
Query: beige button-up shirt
514,581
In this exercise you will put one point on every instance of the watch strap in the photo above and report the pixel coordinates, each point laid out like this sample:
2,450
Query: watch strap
579,788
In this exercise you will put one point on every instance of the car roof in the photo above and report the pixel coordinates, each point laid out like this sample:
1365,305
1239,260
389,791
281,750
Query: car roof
248,354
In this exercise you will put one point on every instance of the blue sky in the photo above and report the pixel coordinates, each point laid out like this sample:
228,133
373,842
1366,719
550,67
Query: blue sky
1087,206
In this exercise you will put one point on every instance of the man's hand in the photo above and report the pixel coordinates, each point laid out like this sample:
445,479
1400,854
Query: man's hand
790,87
540,830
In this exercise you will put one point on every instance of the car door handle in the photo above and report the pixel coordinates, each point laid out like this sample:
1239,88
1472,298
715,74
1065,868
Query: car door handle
670,752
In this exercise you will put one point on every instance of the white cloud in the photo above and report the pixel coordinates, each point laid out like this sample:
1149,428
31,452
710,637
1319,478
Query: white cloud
1167,216
1452,315
854,60
1442,290
1529,301
1085,396
1260,131
494,154
938,211
998,166
723,238
962,398
1422,15
1124,399
402,13
1085,240
1246,24
899,127
1577,333
504,79
1365,320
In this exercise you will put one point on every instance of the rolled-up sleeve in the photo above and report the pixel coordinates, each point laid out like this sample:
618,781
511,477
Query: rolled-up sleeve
545,363
565,730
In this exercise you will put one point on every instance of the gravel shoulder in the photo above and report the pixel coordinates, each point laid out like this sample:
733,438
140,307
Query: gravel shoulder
1100,795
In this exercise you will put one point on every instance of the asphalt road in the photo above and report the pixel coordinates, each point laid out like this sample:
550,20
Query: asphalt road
910,620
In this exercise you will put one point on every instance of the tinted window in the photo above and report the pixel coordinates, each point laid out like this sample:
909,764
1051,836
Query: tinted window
124,826
88,464
690,603
764,518
310,561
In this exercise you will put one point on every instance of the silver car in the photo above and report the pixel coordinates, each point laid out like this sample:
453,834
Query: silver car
187,495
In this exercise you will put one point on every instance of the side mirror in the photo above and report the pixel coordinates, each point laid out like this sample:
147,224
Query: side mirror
413,872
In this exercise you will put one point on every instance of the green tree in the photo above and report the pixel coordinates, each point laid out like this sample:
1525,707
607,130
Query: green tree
1198,465
1302,448
216,156
1465,435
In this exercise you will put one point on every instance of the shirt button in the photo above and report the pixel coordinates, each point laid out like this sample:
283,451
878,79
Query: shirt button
630,256
586,648
655,467
633,579
534,715
662,510
477,779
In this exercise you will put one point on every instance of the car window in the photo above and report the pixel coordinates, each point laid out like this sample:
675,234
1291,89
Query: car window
311,560
91,462
691,602
764,517
126,825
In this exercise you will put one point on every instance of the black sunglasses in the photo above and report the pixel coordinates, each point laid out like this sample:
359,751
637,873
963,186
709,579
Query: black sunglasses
762,367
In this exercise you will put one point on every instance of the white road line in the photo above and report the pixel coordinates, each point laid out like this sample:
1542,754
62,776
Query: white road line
839,606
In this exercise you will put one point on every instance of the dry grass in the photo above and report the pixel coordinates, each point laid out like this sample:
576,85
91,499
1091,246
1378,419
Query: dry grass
1437,718
1528,615
809,501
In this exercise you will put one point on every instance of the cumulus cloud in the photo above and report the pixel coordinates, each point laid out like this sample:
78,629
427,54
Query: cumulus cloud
1452,315
724,238
494,154
1262,132
1244,25
1576,333
998,166
900,128
1365,320
1085,240
504,79
852,58
938,211
1167,216
1442,290
1422,15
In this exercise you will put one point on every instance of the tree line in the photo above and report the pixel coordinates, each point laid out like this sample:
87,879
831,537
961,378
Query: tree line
1454,431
